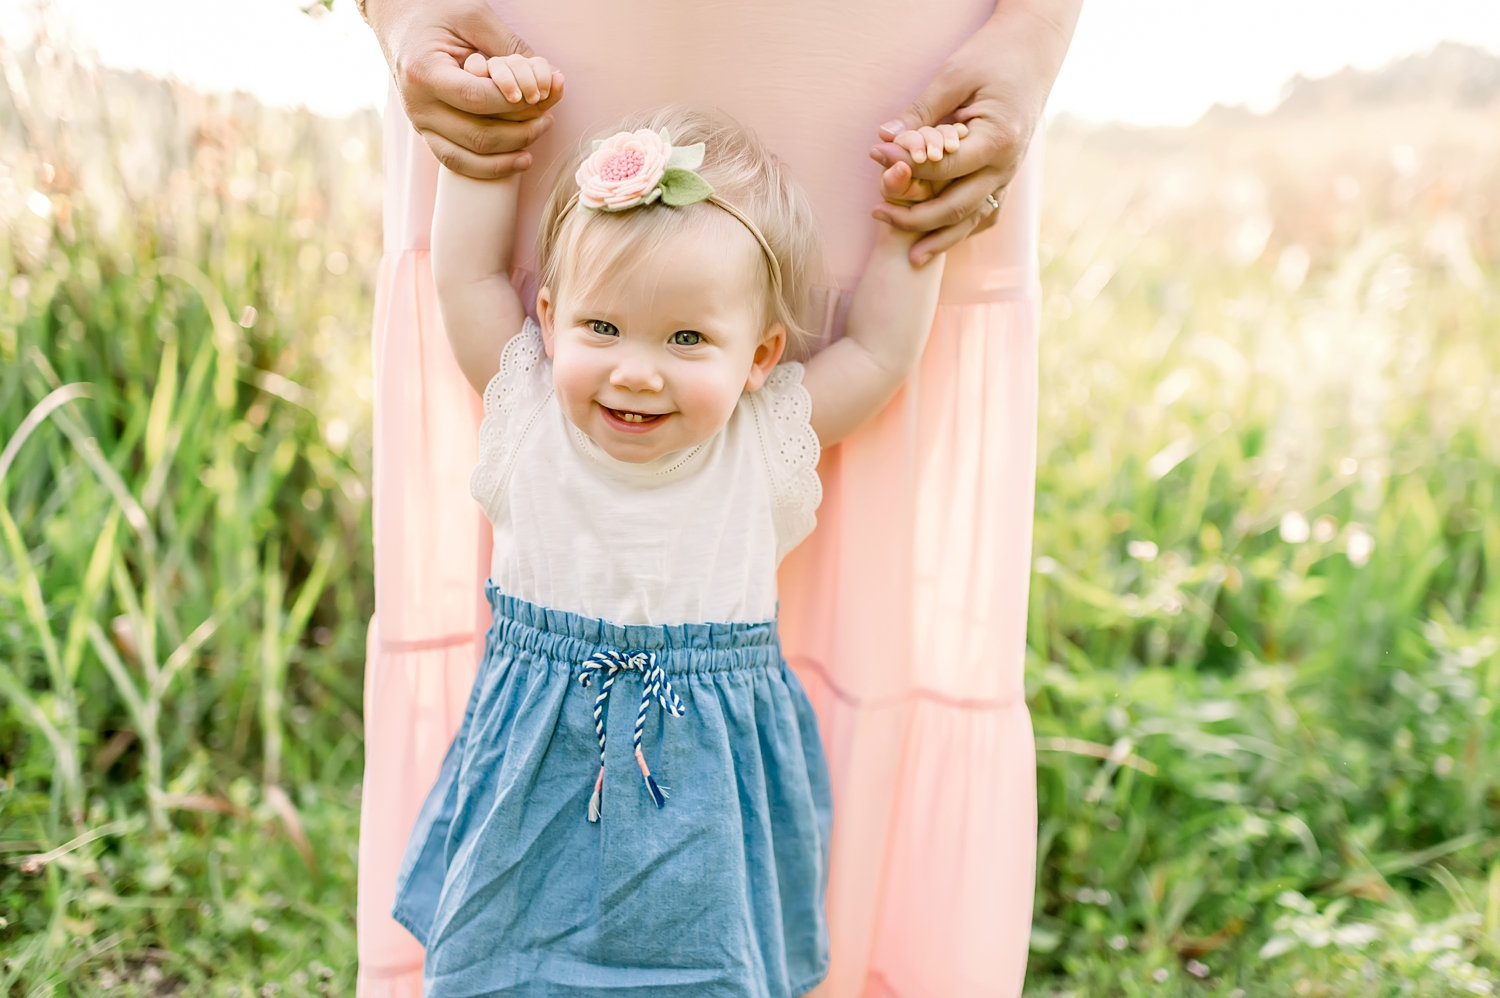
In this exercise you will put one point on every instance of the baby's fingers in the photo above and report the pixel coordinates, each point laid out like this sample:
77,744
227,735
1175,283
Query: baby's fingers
897,185
914,143
545,76
510,73
930,142
952,135
522,79
476,64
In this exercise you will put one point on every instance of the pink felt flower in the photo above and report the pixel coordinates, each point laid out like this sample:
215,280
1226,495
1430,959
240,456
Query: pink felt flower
623,171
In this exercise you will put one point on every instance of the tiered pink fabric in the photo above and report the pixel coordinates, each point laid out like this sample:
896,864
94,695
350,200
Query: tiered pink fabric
904,613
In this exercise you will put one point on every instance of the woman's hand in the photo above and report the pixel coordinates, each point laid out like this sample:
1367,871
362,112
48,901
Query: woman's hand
997,84
470,125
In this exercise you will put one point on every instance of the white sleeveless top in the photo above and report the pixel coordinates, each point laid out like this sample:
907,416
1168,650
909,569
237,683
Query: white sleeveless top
692,537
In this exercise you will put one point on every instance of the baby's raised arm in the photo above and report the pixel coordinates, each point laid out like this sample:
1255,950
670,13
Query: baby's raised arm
890,315
473,234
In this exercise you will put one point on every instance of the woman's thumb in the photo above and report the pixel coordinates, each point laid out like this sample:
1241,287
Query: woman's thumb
942,97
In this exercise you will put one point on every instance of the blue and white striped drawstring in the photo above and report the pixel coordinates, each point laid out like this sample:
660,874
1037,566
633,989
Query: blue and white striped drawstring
654,683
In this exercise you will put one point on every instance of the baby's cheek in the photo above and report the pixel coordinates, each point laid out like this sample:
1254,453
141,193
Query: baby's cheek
717,396
571,382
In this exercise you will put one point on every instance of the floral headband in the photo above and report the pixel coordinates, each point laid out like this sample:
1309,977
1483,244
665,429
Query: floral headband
632,169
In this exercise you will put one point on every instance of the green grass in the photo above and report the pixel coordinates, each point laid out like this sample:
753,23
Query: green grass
184,541
1264,551
1264,636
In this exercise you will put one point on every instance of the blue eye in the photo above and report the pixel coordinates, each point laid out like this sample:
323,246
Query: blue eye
687,338
603,328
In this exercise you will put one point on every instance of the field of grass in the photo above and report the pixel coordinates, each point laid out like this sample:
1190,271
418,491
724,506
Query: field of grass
1265,626
1264,587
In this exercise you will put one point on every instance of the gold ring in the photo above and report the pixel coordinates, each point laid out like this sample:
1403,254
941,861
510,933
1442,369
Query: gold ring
993,201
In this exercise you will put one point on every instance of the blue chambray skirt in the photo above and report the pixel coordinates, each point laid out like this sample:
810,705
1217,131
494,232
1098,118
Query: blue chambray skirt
515,889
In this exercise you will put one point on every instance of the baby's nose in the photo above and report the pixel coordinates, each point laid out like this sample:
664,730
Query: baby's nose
637,372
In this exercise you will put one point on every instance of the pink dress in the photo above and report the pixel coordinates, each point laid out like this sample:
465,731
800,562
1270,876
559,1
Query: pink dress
903,614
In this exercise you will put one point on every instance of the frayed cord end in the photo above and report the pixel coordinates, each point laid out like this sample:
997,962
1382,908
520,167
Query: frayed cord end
596,796
657,792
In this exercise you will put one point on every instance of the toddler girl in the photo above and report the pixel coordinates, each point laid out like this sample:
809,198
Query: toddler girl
646,460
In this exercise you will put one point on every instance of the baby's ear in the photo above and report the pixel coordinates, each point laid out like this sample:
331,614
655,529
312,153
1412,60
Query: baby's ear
544,317
767,354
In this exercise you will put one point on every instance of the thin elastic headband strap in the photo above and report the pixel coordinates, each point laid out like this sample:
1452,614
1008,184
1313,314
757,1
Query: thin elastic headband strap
744,220
765,247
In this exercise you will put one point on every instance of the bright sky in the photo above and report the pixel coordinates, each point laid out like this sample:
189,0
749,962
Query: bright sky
1143,61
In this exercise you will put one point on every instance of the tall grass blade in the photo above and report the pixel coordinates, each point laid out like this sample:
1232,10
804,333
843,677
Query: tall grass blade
54,400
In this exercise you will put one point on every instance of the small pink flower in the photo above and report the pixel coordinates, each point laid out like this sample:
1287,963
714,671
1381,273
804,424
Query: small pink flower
623,171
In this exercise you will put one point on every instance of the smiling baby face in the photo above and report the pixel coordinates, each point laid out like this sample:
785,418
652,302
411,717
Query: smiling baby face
651,355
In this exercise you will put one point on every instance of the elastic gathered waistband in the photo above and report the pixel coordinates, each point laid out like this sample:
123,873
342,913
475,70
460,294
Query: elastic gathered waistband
684,648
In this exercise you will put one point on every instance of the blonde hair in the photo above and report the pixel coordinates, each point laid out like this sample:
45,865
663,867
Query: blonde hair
741,172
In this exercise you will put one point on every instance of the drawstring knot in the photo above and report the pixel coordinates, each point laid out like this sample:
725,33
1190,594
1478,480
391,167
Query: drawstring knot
654,684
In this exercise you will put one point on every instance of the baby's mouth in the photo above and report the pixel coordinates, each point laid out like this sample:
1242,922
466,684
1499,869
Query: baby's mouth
626,416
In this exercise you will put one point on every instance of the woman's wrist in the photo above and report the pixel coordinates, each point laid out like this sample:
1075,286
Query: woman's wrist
376,13
1048,25
365,6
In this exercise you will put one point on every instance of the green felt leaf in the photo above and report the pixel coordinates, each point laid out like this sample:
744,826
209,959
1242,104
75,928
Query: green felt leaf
682,187
686,157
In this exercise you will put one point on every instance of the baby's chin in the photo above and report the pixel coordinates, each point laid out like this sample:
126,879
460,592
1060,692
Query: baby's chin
649,447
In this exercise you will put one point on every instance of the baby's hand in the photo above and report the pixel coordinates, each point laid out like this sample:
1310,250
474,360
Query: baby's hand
521,79
926,144
930,142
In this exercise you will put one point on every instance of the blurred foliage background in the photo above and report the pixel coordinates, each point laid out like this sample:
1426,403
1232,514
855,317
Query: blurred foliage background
1264,636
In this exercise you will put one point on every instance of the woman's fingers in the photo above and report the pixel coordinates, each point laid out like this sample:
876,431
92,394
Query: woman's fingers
983,145
950,88
483,135
439,80
440,68
987,219
944,239
964,198
443,81
486,146
477,146
470,164
941,241
995,84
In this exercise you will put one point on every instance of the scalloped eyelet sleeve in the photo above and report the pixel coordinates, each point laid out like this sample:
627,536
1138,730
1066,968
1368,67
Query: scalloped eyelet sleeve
783,411
512,400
